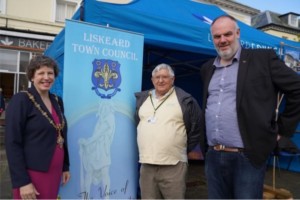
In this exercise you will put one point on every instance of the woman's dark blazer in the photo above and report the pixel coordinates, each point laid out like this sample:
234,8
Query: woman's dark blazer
261,74
30,139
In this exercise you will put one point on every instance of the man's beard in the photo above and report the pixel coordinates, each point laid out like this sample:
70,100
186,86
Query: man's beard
227,54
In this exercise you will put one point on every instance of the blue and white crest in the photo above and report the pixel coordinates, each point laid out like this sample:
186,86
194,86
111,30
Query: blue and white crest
106,77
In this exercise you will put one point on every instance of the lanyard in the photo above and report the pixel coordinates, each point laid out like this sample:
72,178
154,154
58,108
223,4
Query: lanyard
155,109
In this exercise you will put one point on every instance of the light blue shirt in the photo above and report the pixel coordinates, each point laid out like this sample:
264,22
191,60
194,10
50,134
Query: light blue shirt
220,114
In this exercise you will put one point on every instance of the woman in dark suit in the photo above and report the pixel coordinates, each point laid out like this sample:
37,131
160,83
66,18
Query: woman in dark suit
36,135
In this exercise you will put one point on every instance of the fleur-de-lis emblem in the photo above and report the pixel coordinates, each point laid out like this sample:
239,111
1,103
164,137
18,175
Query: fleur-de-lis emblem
106,77
106,74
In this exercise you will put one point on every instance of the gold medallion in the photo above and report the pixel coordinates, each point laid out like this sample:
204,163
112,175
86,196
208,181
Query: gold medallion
58,127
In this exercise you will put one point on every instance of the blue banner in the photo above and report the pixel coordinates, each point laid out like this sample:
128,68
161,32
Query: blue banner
102,71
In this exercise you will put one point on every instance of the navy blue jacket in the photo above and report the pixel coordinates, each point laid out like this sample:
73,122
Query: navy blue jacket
30,139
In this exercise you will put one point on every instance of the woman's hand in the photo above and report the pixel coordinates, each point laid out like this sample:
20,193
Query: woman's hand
28,191
65,177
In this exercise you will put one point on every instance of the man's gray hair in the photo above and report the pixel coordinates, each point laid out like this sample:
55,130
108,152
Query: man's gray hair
225,16
163,66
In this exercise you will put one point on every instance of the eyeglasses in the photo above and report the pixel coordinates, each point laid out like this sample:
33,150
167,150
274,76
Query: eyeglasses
161,77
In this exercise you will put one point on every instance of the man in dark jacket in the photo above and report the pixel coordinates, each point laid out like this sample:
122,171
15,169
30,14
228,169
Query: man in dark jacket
168,128
240,89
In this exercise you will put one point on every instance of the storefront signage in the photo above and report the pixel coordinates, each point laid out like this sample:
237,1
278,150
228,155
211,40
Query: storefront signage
24,42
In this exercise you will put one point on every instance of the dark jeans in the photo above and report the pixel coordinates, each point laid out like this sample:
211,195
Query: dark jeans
232,176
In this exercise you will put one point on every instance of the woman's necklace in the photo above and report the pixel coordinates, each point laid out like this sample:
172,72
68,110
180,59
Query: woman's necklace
59,127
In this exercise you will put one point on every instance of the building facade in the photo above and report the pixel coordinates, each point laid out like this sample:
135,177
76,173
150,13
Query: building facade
286,25
27,28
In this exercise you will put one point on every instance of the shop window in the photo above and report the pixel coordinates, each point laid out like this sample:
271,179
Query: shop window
23,82
24,60
8,60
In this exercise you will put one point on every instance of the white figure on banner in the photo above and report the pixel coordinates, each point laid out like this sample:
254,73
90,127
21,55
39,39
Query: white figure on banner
95,151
